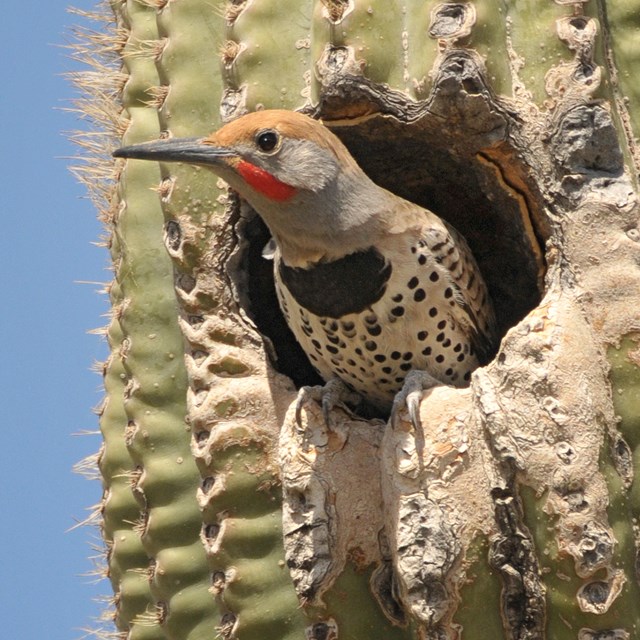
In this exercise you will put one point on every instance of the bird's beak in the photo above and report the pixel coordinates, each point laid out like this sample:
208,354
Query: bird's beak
190,150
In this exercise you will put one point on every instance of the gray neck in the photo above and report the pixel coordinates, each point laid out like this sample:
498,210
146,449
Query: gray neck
349,214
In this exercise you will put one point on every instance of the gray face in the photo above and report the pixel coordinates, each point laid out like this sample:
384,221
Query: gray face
312,170
299,163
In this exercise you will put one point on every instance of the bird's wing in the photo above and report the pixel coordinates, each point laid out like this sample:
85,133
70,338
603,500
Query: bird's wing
473,310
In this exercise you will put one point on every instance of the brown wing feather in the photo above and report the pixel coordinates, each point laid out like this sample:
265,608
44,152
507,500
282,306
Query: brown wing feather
475,310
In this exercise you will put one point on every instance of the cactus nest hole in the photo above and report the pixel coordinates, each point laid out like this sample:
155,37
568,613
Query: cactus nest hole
472,181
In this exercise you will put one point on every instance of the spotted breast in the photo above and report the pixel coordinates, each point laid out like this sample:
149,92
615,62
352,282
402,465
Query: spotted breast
415,301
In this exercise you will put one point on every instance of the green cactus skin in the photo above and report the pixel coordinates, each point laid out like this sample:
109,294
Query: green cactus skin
480,593
534,46
625,502
146,464
620,53
285,56
560,577
625,379
624,22
373,31
191,447
127,561
245,550
158,437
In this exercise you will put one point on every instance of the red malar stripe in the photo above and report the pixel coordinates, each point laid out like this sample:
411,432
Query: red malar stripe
264,182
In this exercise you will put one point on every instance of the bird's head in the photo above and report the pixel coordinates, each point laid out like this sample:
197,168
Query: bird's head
294,172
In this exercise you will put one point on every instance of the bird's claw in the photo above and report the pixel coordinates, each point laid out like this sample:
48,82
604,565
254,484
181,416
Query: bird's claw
409,397
413,406
304,395
333,393
307,394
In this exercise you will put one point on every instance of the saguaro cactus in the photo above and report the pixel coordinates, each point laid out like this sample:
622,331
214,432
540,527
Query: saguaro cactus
514,514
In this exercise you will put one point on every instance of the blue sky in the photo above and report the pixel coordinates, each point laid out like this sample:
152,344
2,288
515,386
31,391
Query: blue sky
48,388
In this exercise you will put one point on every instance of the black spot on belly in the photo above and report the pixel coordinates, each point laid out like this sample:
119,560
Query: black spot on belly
335,289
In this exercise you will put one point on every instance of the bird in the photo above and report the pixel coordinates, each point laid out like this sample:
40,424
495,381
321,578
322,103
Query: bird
384,296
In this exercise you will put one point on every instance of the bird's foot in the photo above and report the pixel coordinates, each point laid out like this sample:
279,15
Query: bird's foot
410,395
334,393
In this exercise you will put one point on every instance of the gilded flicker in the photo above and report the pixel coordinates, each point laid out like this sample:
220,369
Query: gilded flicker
372,286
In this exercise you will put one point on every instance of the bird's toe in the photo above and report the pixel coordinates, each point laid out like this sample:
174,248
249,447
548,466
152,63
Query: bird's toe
331,395
410,395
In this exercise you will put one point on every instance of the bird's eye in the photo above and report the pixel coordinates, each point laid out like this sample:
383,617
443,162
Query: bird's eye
267,140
